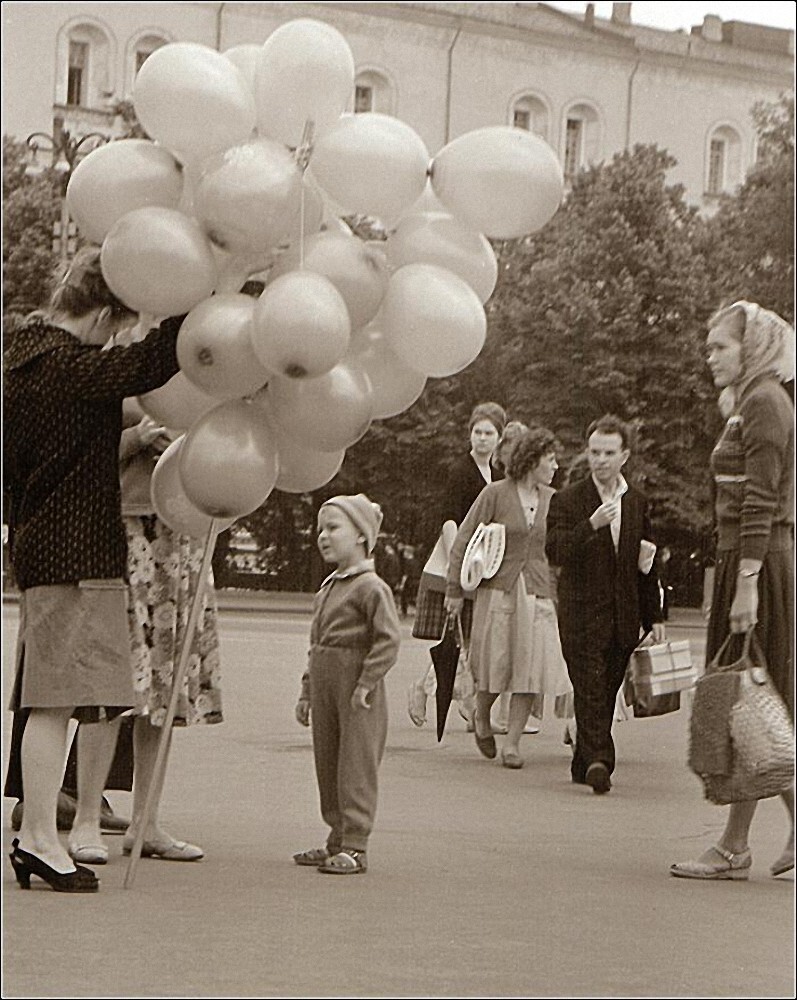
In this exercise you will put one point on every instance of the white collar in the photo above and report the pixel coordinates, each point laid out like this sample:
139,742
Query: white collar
343,574
621,490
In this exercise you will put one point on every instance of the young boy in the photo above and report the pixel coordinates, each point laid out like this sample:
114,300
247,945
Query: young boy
354,640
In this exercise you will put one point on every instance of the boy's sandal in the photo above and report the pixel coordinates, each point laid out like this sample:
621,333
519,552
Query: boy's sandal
313,858
345,862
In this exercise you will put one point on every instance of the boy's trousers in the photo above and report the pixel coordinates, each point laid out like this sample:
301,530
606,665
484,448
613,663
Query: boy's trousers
348,744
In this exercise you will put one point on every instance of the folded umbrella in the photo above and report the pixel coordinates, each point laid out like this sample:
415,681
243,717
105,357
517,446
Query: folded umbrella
445,657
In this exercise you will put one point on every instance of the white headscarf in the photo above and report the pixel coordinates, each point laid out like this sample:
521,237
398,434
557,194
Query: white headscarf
767,349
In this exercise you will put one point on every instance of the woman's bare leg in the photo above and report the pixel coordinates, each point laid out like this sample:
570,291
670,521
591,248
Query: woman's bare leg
95,749
43,755
519,709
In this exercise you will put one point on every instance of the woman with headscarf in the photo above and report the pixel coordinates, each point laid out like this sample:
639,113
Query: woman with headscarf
750,353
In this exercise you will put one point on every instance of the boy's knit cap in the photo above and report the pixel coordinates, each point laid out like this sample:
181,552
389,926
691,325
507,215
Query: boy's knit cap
367,516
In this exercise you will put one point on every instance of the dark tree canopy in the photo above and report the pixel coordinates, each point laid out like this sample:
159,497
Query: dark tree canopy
752,234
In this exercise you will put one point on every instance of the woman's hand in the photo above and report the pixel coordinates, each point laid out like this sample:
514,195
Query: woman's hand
153,434
744,610
359,697
303,712
453,605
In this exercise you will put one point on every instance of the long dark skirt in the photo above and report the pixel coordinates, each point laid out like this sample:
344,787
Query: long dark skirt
775,628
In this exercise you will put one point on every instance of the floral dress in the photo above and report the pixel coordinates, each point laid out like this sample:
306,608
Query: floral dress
163,570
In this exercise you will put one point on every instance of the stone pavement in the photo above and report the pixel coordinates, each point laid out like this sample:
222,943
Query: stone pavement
483,881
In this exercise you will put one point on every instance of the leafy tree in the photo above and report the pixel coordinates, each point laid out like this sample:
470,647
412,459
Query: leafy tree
603,311
752,235
30,206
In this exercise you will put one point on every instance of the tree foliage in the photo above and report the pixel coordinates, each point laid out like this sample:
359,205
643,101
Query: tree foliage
30,206
752,235
602,312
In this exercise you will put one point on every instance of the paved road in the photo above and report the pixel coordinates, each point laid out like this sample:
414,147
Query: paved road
483,881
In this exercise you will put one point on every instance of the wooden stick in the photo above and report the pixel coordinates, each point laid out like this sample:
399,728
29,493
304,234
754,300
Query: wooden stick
177,684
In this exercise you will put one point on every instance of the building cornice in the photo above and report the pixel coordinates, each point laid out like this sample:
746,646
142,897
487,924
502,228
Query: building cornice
634,44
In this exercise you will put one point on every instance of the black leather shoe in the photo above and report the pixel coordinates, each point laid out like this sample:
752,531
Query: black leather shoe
597,777
26,864
486,745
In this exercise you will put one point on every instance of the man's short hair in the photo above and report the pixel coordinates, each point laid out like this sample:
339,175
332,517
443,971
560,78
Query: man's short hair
610,424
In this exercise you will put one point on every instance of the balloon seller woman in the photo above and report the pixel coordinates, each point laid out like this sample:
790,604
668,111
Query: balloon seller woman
354,639
61,430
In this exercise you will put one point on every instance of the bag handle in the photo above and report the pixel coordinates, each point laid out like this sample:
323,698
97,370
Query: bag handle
749,638
455,621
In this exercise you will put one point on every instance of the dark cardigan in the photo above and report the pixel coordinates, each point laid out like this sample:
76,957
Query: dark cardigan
61,427
465,482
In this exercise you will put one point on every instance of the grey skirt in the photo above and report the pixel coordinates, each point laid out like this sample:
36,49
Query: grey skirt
73,649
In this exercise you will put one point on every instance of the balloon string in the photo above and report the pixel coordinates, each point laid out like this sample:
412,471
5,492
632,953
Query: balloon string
303,153
301,225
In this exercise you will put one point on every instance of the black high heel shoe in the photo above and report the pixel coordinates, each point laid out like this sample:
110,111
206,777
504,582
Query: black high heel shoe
26,864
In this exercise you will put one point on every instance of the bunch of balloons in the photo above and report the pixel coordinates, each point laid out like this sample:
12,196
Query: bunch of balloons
252,163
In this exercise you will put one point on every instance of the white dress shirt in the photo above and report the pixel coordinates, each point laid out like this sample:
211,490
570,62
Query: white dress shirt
606,495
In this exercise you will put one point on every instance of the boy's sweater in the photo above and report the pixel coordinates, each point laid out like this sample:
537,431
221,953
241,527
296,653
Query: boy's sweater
356,612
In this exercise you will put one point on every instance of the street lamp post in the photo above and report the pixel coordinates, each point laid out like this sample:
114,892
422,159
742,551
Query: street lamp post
66,152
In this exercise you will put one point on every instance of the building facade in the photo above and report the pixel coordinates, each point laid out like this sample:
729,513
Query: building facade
590,87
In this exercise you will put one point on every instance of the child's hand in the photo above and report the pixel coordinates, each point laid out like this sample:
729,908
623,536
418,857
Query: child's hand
303,712
359,697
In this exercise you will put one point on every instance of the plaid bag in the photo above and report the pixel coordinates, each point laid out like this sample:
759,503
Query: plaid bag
431,615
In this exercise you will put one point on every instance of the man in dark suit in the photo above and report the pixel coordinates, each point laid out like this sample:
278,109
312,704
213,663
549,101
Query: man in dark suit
607,590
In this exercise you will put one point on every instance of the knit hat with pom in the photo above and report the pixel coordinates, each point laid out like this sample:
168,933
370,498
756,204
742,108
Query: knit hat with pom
364,514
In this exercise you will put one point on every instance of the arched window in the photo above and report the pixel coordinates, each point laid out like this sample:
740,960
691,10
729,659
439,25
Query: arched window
723,160
84,65
139,49
373,91
531,113
581,138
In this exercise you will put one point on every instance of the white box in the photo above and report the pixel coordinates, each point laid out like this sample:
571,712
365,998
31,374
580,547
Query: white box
664,668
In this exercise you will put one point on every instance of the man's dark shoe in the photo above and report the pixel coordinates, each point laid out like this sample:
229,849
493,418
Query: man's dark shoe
597,777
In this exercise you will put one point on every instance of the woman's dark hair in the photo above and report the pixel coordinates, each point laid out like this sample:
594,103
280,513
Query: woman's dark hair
488,411
79,287
610,424
527,451
512,432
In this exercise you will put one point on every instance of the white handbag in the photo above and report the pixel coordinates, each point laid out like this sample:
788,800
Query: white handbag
483,555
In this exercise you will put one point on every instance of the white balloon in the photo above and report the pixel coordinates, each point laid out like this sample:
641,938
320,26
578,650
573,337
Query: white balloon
170,502
214,347
245,57
394,385
247,198
178,403
305,73
372,164
158,261
193,100
356,269
301,326
501,181
440,238
118,177
433,320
